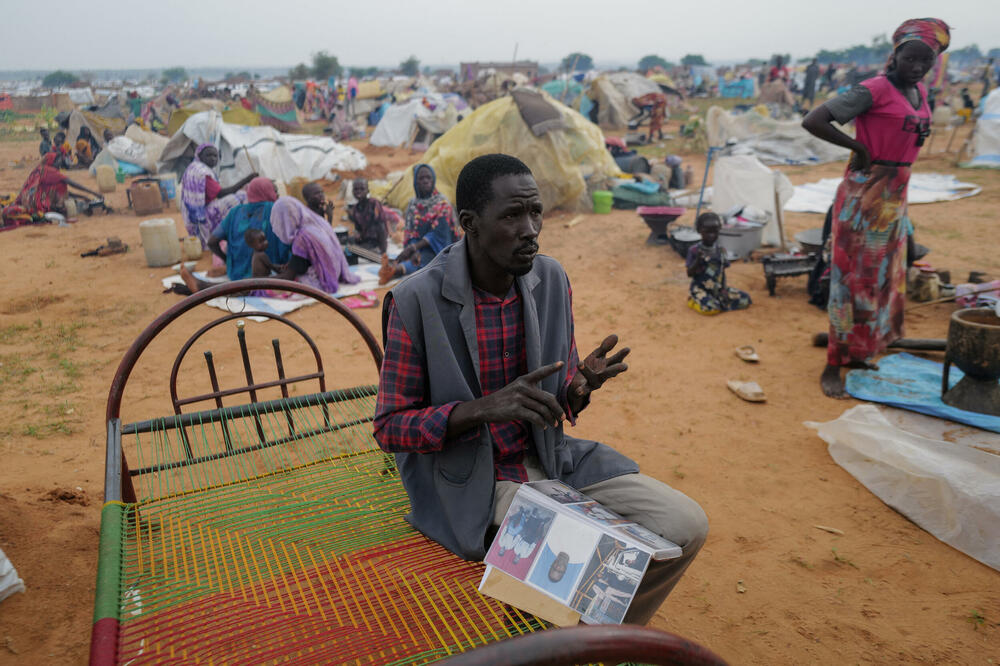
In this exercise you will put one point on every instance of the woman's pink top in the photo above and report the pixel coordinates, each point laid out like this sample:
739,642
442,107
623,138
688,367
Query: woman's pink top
891,127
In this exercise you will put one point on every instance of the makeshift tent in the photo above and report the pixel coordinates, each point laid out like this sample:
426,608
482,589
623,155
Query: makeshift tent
632,85
567,159
986,139
95,123
402,123
776,92
773,141
235,115
274,110
278,156
279,95
743,180
613,109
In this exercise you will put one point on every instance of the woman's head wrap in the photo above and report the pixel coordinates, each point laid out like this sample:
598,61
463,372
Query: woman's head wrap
261,189
931,31
201,147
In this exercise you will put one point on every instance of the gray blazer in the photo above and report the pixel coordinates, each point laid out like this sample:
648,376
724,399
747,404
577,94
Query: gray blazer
451,491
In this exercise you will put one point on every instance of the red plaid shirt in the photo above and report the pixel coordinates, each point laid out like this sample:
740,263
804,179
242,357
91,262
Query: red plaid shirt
405,423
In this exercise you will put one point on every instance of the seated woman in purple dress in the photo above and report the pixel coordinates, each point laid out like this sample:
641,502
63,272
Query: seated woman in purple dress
317,258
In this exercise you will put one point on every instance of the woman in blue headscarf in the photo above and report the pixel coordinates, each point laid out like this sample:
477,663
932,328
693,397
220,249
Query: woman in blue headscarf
430,226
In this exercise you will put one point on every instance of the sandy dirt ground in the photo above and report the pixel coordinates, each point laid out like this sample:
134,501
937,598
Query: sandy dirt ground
768,588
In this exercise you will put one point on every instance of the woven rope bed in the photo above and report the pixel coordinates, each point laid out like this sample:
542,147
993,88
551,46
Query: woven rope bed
243,530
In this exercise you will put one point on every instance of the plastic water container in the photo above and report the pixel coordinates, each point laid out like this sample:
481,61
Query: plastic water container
602,201
160,242
191,248
168,187
106,178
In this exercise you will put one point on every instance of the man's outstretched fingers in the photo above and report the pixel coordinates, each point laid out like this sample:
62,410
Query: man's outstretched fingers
619,357
538,374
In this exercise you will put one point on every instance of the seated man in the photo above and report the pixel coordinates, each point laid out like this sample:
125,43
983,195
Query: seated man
480,372
371,226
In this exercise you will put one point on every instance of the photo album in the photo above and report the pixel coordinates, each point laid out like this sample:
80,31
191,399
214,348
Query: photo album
574,550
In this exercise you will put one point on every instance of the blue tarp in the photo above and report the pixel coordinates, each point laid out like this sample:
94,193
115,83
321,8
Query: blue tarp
910,382
742,88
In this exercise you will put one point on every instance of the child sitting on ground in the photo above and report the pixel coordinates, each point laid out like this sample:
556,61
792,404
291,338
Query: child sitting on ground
260,264
706,266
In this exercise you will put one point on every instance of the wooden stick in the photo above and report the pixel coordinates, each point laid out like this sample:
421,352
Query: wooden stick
950,298
916,344
575,221
778,213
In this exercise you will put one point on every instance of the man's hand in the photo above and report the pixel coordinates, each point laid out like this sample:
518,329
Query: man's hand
521,400
596,369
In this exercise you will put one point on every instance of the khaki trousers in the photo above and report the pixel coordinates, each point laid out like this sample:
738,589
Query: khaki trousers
651,503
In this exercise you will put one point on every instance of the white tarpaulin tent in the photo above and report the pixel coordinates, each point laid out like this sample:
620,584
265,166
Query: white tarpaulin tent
633,85
924,188
399,123
986,141
742,180
773,141
278,156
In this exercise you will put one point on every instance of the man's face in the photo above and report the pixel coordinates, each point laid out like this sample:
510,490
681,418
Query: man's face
913,61
558,568
507,229
360,190
45,134
210,156
425,183
315,196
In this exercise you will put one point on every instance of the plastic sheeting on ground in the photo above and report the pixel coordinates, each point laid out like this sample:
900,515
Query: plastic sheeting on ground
949,488
910,382
278,156
924,188
743,180
986,140
773,141
563,161
10,583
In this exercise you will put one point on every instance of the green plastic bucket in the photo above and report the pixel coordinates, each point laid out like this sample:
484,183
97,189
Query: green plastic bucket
602,201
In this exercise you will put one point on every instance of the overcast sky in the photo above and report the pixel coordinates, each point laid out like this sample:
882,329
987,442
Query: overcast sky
115,34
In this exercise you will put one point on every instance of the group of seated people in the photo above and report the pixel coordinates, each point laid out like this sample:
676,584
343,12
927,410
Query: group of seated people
252,232
79,156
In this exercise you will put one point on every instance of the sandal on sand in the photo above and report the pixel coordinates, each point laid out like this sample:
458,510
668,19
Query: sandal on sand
747,353
749,391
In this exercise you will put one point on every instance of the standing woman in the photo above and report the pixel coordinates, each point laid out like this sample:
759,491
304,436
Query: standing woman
870,224
205,202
